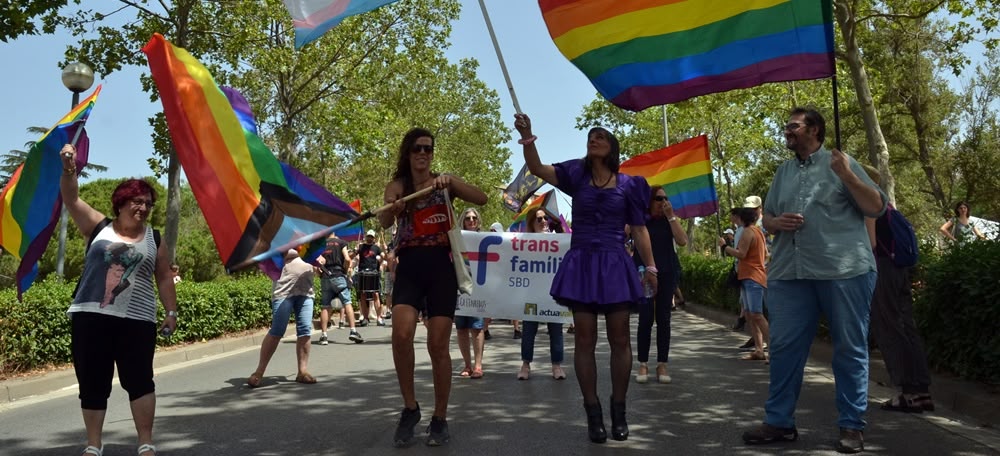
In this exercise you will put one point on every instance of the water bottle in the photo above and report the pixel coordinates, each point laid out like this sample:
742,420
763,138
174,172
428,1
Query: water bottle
647,289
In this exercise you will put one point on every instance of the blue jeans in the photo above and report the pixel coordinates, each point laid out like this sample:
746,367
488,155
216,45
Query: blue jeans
795,306
753,296
529,329
282,310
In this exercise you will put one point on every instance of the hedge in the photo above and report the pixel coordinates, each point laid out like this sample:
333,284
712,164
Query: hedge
956,303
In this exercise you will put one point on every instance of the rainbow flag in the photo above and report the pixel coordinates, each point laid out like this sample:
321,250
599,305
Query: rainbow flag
31,202
642,53
354,231
546,202
251,201
313,18
685,172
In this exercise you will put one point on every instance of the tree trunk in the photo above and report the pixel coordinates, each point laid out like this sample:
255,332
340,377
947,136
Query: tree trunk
924,153
878,151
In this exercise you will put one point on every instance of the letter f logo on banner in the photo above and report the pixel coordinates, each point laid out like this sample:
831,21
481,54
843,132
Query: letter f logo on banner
483,256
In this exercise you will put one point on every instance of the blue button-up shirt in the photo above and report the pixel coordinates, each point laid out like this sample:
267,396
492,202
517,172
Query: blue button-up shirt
832,242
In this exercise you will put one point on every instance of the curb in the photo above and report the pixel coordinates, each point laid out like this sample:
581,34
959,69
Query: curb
971,399
63,378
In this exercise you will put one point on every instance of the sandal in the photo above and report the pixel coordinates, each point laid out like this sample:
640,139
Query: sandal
755,356
305,378
643,375
254,380
93,450
558,373
467,372
476,374
145,447
524,373
904,404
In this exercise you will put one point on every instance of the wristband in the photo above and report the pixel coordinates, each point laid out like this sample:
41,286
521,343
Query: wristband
653,270
172,313
528,140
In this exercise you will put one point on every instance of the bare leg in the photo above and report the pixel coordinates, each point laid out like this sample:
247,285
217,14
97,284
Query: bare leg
463,347
438,340
302,354
93,420
143,410
348,312
267,348
621,353
583,355
403,328
324,318
378,307
478,343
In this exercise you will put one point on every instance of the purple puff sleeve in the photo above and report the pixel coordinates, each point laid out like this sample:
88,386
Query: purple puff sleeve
570,175
637,195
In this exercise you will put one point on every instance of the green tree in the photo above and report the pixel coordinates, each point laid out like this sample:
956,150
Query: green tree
29,17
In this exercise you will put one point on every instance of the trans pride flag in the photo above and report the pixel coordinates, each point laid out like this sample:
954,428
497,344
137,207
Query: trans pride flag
685,173
250,200
642,53
31,202
313,18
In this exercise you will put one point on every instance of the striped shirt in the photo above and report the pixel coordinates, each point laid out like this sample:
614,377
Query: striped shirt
117,277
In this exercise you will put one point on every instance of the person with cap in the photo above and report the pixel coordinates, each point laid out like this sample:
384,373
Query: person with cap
750,202
369,256
336,294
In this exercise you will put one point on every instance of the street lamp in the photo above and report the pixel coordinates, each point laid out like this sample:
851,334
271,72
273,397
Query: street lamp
77,77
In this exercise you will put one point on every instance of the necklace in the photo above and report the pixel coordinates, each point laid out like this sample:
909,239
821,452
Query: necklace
606,182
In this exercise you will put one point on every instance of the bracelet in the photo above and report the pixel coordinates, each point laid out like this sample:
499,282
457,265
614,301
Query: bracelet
653,270
672,219
528,140
69,171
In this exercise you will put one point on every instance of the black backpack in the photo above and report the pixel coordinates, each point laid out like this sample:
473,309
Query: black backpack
93,235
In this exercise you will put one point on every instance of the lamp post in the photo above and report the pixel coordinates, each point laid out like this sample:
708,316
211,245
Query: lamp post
77,77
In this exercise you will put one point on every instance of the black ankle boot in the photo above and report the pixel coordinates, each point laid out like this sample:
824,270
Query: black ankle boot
595,423
619,428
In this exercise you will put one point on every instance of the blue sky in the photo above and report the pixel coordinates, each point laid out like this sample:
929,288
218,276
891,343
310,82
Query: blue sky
548,87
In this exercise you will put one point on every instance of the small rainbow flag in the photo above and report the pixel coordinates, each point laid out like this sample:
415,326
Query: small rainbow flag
354,231
684,170
251,201
642,53
30,203
313,18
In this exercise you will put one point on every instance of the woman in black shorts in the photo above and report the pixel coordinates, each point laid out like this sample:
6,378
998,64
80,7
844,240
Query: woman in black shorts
425,277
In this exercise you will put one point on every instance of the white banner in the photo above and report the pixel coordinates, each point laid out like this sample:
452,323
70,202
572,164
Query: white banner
512,274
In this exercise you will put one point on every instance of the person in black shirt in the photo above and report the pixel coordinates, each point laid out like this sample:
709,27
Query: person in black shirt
369,264
335,262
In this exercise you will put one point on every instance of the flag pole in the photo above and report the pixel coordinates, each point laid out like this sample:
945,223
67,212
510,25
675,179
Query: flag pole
836,111
503,66
666,135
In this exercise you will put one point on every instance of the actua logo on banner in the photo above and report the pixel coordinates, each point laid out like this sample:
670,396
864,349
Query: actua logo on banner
531,308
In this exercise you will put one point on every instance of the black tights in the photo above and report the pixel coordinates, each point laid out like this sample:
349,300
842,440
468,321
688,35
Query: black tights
585,363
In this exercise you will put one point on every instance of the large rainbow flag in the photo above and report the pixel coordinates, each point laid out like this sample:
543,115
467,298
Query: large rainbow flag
642,53
685,172
250,200
313,18
30,204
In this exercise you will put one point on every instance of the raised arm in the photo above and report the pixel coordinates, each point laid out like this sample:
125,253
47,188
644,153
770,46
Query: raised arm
85,217
544,172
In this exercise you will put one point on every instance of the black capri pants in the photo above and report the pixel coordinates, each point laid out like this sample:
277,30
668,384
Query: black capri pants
100,342
425,280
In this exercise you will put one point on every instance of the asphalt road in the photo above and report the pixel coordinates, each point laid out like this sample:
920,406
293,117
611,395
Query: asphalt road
205,408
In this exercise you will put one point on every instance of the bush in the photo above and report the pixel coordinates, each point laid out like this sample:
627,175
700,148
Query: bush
704,281
957,305
36,333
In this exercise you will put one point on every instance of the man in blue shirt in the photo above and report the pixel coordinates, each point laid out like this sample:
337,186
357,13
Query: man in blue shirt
821,262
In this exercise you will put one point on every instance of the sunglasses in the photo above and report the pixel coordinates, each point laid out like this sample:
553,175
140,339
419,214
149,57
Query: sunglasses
422,148
473,218
792,126
541,219
660,198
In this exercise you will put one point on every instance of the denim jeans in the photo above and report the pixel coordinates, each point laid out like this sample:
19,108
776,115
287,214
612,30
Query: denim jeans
281,310
529,329
795,307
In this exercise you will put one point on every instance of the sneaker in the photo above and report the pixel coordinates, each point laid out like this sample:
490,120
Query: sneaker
850,441
486,335
323,340
437,432
408,419
363,322
356,337
380,322
766,433
748,346
388,315
340,325
517,333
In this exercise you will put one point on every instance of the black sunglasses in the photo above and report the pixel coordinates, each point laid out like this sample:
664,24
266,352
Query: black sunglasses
422,148
660,198
472,217
541,219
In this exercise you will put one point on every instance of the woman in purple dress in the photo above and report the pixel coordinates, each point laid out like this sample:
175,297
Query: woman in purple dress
596,275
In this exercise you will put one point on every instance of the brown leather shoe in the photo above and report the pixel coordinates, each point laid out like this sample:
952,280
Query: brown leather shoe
851,441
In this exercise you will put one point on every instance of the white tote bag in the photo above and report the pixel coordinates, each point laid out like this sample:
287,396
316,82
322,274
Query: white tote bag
462,272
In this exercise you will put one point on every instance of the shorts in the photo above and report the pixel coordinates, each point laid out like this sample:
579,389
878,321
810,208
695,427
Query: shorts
464,322
335,292
281,310
425,280
753,296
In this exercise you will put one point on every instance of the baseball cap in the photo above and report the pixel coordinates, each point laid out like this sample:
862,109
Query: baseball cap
729,231
370,233
752,201
497,227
